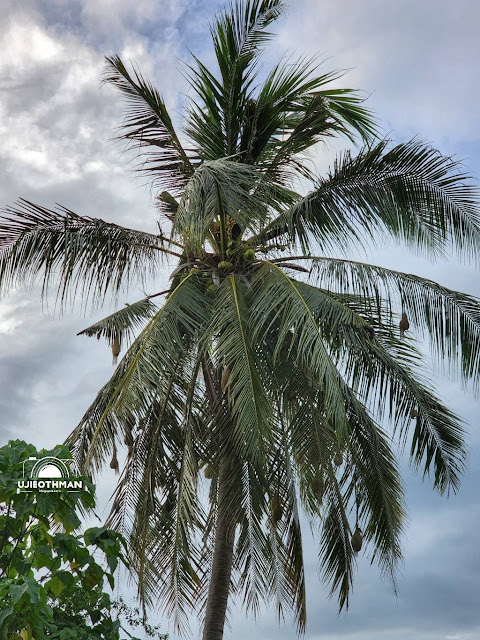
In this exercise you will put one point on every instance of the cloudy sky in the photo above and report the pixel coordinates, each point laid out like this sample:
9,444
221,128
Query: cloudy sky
417,61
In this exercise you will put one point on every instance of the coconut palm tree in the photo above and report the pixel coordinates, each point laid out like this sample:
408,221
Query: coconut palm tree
277,373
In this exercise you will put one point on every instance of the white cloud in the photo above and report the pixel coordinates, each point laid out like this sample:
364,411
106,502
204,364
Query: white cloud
417,59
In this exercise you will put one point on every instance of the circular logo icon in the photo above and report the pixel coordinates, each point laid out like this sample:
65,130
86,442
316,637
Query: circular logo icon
49,467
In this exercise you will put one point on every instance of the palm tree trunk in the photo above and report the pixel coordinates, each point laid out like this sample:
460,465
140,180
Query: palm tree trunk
219,588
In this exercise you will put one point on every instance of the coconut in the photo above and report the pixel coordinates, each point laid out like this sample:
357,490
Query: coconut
115,349
413,414
338,459
249,254
224,265
208,472
211,288
357,540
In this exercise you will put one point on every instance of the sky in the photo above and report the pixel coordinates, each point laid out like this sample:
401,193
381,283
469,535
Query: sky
417,62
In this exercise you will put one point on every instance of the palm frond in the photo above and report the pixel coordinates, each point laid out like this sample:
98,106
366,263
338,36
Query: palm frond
144,373
294,111
245,388
278,296
251,562
286,575
218,189
148,127
411,192
336,554
377,489
376,486
378,372
239,33
181,557
82,256
123,323
204,121
450,319
238,36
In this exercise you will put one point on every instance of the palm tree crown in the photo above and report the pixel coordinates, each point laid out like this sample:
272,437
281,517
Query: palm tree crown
274,358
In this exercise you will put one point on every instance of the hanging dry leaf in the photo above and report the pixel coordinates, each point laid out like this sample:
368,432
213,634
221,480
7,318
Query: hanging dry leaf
225,376
114,461
404,324
115,349
357,540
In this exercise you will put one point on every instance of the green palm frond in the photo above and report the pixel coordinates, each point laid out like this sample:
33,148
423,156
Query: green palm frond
150,466
181,555
251,563
277,295
148,127
449,318
286,569
294,111
239,35
123,323
221,189
376,485
378,370
156,500
245,386
347,114
410,191
154,356
204,120
336,554
82,256
270,123
380,493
